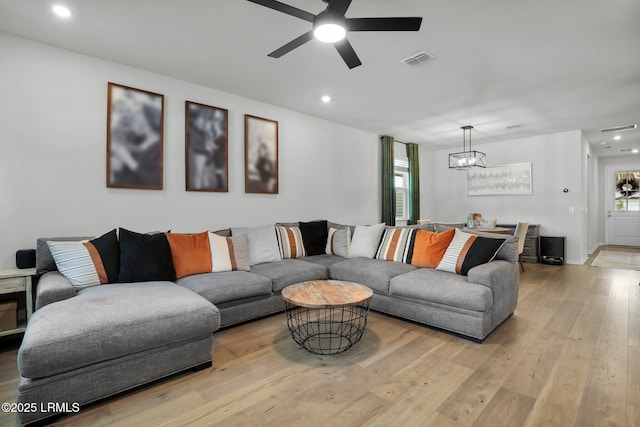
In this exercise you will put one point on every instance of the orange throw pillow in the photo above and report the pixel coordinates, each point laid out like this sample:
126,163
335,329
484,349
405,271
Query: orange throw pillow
191,254
429,247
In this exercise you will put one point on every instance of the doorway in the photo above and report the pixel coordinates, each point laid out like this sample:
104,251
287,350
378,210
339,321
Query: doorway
622,204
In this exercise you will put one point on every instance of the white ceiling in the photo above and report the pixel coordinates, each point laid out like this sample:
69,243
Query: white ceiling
553,65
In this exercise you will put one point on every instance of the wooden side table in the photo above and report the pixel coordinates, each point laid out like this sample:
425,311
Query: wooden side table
16,281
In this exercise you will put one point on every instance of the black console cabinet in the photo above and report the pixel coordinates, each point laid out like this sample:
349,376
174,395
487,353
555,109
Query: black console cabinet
552,250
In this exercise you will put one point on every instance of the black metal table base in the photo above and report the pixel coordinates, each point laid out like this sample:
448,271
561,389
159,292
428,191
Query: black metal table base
327,330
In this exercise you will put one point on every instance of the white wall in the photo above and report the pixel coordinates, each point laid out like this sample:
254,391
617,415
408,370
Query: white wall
53,148
557,163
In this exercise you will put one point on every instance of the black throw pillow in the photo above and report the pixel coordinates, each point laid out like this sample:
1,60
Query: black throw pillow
145,257
314,236
109,252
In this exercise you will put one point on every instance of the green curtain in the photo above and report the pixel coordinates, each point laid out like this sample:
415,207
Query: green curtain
414,183
388,181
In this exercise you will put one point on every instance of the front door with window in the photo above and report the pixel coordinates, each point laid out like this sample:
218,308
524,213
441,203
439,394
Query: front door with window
622,205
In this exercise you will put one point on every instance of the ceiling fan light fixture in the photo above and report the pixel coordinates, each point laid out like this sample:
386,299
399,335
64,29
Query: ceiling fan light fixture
329,32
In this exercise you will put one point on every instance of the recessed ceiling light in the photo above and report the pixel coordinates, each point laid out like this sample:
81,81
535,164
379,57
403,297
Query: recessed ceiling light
326,99
61,11
617,137
634,151
603,143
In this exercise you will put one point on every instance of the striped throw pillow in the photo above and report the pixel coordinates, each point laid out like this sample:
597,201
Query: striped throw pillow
229,253
90,262
397,244
338,242
467,251
290,242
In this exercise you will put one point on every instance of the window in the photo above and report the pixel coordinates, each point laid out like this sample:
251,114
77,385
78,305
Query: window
401,170
627,191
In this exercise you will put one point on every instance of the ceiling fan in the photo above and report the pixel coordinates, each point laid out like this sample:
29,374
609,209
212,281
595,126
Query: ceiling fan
331,26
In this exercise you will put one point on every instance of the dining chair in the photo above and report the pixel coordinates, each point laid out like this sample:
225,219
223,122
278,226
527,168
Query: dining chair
521,234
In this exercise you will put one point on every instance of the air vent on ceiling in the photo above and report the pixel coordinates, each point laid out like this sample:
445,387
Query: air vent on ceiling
626,150
515,126
418,58
619,128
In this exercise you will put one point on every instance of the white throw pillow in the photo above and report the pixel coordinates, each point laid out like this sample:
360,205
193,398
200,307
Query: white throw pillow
338,242
365,241
263,244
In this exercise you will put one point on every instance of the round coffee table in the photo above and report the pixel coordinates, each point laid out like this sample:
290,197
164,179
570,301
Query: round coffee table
327,316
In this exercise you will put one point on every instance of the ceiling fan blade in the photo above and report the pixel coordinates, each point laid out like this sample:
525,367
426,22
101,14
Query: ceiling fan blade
285,8
384,24
347,53
297,42
338,7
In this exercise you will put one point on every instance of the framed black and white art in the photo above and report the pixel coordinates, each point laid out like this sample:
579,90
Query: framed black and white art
134,138
260,155
206,148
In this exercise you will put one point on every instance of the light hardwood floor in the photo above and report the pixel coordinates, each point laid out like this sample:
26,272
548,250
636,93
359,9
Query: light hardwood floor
570,356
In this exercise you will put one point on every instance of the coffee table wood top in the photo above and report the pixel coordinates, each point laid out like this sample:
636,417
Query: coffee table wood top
326,293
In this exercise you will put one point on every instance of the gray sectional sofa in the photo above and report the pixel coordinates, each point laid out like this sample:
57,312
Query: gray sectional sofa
84,345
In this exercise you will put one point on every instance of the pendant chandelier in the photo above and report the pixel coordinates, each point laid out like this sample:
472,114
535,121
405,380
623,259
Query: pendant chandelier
467,159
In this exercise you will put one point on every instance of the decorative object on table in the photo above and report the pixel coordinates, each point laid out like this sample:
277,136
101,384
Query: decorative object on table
467,159
135,123
475,220
500,180
206,147
471,223
331,26
260,155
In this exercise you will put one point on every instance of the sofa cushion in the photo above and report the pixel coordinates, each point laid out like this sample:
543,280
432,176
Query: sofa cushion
229,253
227,286
429,247
290,242
88,263
365,241
145,257
338,242
314,235
397,244
289,271
441,287
263,244
106,322
374,273
508,251
190,253
467,251
44,259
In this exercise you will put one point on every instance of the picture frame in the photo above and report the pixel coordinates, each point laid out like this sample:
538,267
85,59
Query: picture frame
135,138
206,148
260,155
505,180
